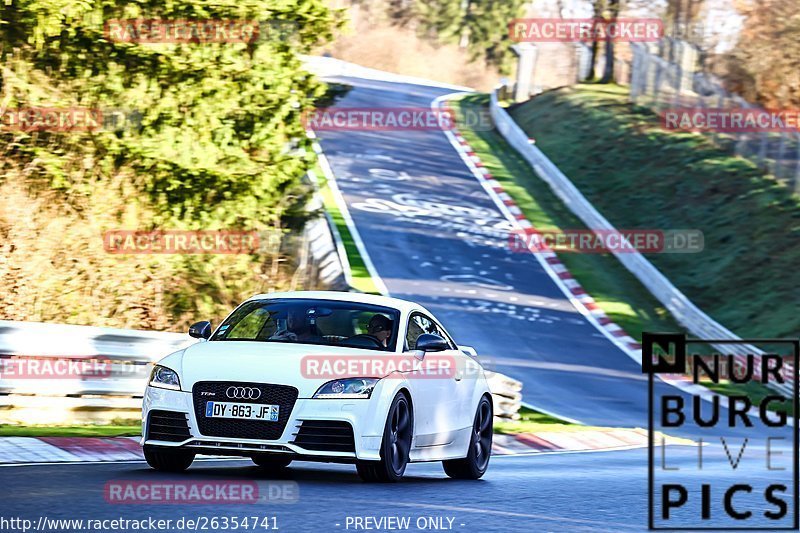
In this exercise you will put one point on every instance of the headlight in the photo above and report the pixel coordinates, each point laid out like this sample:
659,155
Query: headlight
347,388
164,378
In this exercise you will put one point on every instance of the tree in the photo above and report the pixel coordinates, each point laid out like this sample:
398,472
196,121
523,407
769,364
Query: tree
682,19
220,145
598,6
603,12
764,66
611,17
481,26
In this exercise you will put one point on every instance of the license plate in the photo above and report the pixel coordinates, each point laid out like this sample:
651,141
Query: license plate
247,411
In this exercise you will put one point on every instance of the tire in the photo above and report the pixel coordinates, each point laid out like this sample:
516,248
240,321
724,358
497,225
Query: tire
474,465
395,445
165,460
272,462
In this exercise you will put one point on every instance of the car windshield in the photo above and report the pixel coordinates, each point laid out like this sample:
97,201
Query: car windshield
324,322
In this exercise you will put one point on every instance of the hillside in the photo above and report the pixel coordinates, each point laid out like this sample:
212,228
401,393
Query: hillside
640,176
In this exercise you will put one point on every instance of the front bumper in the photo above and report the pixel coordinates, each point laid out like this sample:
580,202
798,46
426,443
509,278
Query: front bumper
361,414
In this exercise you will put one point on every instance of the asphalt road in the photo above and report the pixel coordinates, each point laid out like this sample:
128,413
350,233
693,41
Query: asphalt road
435,237
604,491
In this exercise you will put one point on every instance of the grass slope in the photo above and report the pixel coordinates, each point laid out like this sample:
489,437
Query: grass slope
640,176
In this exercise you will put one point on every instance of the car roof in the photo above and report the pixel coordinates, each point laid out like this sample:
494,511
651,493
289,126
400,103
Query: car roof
386,301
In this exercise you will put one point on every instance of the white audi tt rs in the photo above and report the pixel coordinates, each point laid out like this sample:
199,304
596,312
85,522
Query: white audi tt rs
322,376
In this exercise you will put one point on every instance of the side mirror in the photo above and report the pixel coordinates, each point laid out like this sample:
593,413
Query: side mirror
200,330
428,342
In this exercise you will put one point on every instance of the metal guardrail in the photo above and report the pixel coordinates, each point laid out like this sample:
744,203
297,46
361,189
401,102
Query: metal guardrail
110,384
685,312
118,360
61,374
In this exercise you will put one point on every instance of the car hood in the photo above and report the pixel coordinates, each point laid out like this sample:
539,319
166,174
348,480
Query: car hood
260,362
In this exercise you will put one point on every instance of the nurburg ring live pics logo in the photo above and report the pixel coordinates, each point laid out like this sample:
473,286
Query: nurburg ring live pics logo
736,400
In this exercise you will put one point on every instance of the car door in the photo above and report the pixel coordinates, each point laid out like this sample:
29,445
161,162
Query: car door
466,373
435,396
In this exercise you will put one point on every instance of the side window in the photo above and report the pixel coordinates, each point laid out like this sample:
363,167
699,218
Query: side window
419,324
415,329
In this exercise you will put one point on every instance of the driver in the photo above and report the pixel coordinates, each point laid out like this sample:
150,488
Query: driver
297,328
380,327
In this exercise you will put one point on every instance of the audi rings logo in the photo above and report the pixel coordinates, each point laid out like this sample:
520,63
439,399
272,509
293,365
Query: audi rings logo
243,393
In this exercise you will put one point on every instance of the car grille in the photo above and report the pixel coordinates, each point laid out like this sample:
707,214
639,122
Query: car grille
167,425
325,436
281,395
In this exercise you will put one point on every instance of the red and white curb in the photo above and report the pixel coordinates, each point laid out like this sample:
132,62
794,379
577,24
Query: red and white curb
582,301
581,440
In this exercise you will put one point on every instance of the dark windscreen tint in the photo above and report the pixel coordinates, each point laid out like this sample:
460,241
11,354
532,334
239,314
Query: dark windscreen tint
324,322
